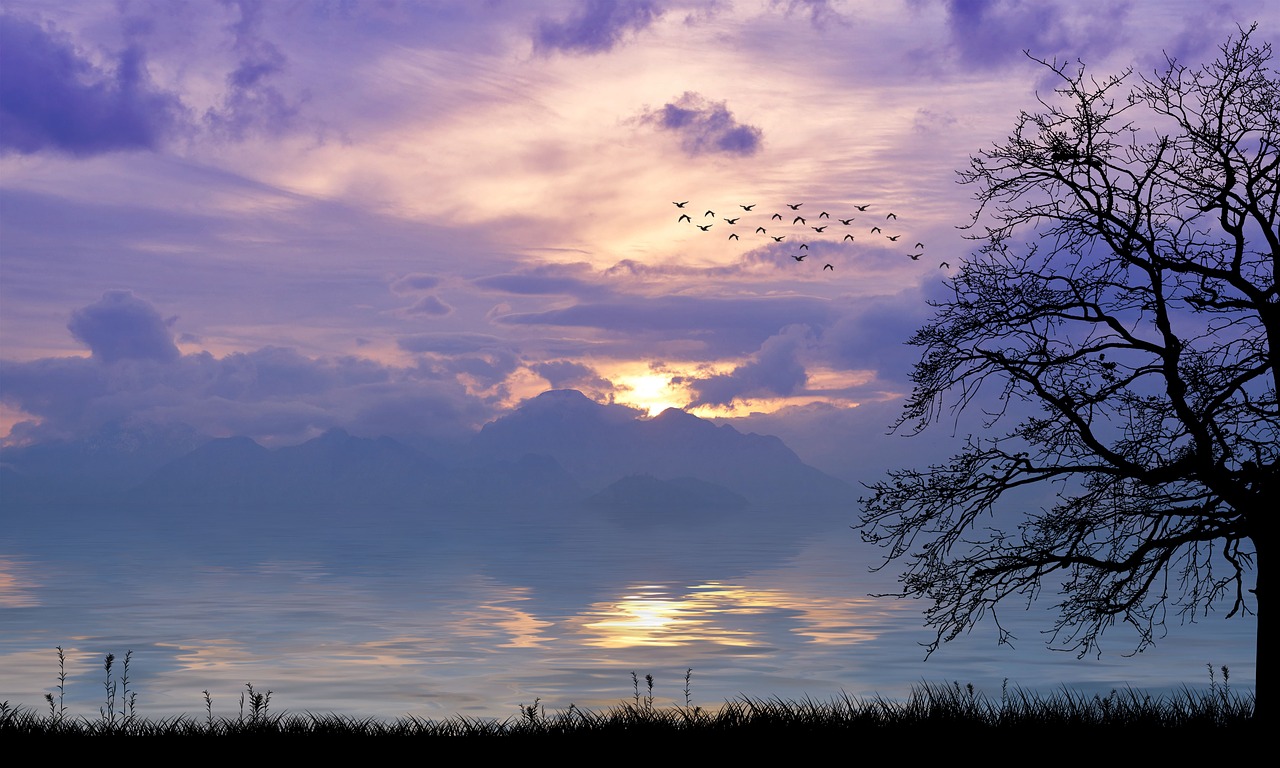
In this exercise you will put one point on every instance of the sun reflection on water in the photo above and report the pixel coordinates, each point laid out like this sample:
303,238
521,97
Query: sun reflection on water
657,615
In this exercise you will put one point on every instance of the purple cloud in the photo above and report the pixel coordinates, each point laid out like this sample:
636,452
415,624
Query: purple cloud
988,33
706,127
413,283
123,327
774,371
538,285
449,343
565,374
52,98
252,102
597,27
273,393
429,305
725,326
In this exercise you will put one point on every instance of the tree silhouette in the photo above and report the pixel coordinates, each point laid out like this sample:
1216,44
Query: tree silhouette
1123,303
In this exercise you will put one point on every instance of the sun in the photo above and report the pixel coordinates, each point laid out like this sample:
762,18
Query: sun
651,392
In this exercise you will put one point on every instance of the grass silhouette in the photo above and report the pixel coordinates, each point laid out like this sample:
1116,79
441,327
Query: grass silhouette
933,708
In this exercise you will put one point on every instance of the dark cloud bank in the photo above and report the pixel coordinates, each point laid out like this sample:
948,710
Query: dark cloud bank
54,98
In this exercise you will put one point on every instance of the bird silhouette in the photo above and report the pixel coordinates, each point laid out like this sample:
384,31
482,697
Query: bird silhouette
777,216
799,219
915,256
680,205
777,239
733,221
799,257
848,237
863,208
734,236
846,222
709,213
795,207
817,229
891,216
875,230
747,208
761,230
893,238
944,265
828,266
683,217
919,245
824,215
804,246
703,227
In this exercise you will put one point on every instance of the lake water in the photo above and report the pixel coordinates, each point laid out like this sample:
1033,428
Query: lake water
475,613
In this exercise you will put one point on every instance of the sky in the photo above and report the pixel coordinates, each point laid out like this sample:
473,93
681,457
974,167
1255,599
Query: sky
272,219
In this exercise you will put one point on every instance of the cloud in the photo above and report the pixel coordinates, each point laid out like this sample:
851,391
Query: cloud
723,327
989,33
598,26
705,127
123,327
538,285
565,374
252,102
820,12
52,98
414,283
774,371
429,305
272,394
450,343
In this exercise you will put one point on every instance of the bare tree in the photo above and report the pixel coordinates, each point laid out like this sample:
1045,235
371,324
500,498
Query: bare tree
1123,302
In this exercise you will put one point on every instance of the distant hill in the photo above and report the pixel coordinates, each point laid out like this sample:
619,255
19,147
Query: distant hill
600,444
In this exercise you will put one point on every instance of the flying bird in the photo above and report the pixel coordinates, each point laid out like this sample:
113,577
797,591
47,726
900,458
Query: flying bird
846,222
893,216
747,208
761,230
915,256
683,217
733,221
777,239
680,205
893,238
944,265
795,207
799,219
777,216
824,215
848,237
703,227
863,208
734,236
828,266
709,213
919,245
817,229
874,230
799,257
804,246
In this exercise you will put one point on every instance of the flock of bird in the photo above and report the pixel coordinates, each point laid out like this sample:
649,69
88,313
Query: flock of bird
794,226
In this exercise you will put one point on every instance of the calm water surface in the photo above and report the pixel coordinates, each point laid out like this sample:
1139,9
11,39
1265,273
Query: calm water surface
473,613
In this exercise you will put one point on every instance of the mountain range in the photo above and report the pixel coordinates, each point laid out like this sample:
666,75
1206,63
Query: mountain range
560,449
